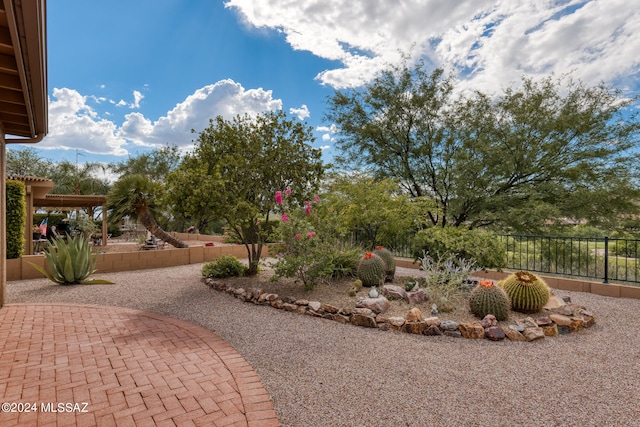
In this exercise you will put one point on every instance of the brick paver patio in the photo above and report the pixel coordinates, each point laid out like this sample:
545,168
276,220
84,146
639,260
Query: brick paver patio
89,365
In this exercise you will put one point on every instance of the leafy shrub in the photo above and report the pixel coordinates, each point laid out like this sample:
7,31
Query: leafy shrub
16,213
70,261
225,266
481,246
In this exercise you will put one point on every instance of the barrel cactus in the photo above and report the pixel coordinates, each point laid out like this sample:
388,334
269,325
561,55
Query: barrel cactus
371,270
487,298
528,292
389,262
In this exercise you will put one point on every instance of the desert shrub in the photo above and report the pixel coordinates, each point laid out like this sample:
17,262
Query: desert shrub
225,266
70,261
481,246
446,278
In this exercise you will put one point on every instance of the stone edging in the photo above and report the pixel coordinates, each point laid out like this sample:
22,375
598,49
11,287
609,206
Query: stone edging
563,318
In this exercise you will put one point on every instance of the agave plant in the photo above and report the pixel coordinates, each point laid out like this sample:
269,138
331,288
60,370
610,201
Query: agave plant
70,262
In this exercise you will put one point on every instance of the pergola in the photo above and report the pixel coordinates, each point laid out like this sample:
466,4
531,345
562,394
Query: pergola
38,197
23,91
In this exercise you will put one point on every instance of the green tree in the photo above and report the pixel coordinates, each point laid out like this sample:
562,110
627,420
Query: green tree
134,196
156,165
237,167
71,178
27,162
485,160
378,209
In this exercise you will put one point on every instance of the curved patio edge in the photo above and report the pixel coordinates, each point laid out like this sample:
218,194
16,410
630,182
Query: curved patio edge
129,366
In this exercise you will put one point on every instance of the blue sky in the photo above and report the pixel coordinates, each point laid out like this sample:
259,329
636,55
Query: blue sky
125,76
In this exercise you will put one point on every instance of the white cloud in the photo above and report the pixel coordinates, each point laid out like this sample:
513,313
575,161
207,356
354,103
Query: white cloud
491,43
137,97
75,125
324,147
225,98
331,129
302,112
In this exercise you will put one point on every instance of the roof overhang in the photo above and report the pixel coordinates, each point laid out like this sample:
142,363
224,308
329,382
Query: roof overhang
23,70
62,201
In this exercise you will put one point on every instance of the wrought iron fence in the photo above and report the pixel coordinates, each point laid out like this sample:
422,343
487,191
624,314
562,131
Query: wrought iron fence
602,258
591,257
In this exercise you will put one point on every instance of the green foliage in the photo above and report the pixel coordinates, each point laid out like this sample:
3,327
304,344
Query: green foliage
371,270
16,214
539,151
376,209
486,298
389,262
135,196
26,162
528,293
236,168
223,267
481,246
70,262
308,253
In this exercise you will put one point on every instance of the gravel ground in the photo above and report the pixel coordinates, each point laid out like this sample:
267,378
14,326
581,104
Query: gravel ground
321,373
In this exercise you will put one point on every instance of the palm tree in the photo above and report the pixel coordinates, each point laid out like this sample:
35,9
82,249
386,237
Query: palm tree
134,196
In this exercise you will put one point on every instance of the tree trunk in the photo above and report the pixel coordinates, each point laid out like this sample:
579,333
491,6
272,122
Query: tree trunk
150,224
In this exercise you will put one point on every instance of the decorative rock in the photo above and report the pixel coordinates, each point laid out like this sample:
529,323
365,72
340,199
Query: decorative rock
329,308
396,322
550,330
494,333
554,303
432,331
432,321
301,302
277,303
363,320
489,321
289,299
239,291
383,326
381,319
377,305
346,311
517,328
301,309
528,322
565,310
560,320
255,293
577,323
532,334
473,330
448,325
417,297
544,321
513,335
230,290
564,330
341,319
414,327
567,299
289,307
589,321
363,312
394,292
262,298
414,315
453,334
315,305
328,316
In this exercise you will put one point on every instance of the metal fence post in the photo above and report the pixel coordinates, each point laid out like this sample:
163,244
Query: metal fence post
606,259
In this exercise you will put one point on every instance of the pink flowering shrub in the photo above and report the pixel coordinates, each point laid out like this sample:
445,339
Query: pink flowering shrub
308,253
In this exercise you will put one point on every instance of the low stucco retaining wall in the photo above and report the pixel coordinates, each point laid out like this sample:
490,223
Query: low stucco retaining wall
20,269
